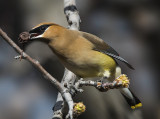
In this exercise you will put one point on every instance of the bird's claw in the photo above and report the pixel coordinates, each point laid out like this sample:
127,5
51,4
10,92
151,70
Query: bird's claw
80,90
77,86
74,90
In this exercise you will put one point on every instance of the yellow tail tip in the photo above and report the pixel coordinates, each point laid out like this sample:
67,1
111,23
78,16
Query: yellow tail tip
137,106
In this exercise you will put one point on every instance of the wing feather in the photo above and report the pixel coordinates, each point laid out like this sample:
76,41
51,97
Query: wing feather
101,46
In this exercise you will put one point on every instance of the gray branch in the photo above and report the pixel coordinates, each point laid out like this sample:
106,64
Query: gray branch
103,87
63,91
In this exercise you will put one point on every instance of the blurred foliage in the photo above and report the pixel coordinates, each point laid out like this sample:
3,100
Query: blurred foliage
130,26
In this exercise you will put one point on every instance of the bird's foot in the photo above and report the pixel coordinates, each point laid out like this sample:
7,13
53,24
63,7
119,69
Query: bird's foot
77,86
122,81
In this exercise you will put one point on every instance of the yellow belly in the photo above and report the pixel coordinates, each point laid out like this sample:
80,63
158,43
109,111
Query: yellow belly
92,64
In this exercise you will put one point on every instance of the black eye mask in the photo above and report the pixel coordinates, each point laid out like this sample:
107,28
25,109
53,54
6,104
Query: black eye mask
39,30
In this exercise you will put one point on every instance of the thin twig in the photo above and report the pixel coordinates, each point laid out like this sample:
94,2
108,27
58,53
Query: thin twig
64,91
120,82
32,61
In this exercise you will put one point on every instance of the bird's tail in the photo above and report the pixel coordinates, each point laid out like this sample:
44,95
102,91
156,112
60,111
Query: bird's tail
131,99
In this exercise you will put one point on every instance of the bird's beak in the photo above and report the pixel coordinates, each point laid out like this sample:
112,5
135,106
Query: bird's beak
33,36
24,37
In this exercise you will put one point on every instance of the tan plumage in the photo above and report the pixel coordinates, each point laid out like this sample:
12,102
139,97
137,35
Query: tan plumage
75,50
84,54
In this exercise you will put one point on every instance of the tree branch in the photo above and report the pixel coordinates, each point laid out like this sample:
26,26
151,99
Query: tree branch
69,78
64,91
120,82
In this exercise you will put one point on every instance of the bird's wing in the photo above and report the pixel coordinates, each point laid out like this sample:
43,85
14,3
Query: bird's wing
101,46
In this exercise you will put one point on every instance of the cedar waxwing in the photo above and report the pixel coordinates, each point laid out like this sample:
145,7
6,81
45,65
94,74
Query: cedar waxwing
84,54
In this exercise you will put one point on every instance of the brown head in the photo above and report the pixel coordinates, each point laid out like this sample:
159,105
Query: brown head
46,32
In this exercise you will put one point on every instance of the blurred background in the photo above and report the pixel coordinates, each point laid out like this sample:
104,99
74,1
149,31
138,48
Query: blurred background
131,27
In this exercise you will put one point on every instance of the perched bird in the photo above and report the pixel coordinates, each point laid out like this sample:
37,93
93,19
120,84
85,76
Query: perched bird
84,54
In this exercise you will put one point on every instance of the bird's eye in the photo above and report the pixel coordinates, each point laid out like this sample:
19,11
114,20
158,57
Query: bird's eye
42,28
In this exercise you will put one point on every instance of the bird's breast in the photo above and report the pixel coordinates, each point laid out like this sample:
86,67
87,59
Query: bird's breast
79,57
87,63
